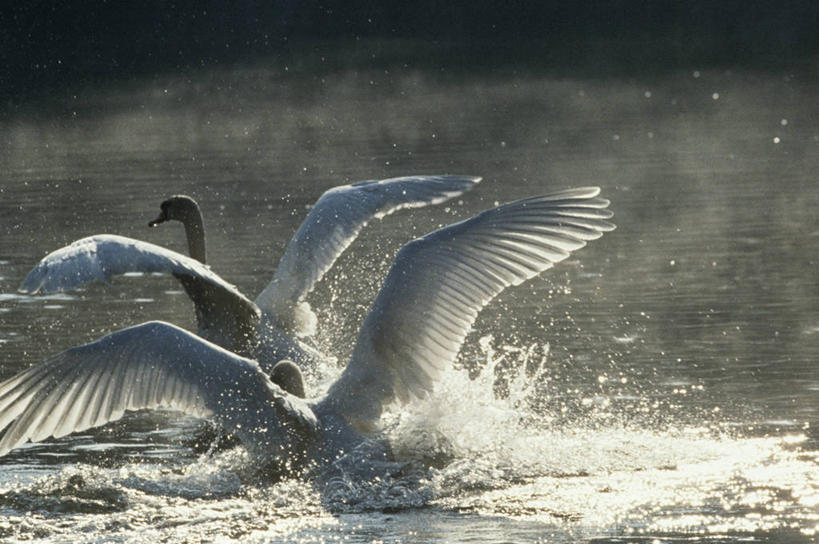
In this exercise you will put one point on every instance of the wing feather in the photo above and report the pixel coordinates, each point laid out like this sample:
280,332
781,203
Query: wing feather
225,315
154,365
331,226
438,284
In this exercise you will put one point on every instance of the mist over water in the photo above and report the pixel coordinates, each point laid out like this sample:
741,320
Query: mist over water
660,384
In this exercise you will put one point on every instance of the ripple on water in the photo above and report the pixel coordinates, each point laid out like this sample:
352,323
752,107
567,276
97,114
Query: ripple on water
491,457
22,298
462,450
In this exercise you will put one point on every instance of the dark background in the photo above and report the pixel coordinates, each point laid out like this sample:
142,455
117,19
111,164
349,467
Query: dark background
47,46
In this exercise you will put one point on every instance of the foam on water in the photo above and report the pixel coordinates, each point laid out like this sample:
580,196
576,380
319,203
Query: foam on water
474,446
495,455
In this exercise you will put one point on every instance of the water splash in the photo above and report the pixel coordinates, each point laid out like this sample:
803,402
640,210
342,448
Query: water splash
494,451
473,446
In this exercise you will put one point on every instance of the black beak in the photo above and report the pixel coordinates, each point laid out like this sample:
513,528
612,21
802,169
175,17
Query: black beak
158,220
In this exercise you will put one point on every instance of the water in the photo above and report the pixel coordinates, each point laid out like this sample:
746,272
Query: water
661,385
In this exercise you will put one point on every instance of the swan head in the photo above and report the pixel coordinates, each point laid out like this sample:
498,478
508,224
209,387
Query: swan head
185,209
177,208
286,374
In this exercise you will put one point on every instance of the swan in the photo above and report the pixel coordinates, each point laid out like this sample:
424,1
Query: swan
413,330
274,326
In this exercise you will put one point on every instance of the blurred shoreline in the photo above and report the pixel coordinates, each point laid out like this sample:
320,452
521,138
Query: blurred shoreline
50,50
304,70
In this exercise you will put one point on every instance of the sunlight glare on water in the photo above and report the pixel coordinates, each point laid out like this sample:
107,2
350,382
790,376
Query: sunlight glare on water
507,461
464,449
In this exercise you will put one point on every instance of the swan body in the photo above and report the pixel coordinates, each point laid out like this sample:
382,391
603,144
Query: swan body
430,298
276,324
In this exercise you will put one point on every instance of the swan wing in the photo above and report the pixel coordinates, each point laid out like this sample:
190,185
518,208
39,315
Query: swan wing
225,315
332,224
149,366
438,283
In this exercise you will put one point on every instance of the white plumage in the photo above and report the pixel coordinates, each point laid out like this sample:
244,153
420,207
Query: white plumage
271,328
150,366
415,327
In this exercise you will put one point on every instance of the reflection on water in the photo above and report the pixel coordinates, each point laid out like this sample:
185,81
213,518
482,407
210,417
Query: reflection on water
660,384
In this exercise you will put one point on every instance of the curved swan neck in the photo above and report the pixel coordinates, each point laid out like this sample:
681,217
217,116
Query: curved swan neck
184,209
195,233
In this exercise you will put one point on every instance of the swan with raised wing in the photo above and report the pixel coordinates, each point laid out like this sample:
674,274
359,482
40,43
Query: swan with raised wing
413,330
275,325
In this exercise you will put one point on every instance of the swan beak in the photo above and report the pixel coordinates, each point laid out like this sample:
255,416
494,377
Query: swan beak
161,219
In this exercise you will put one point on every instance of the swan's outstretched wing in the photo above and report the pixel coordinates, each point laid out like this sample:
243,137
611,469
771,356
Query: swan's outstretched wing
225,315
333,223
153,365
438,284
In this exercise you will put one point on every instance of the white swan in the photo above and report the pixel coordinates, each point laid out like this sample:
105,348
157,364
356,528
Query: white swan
432,294
273,327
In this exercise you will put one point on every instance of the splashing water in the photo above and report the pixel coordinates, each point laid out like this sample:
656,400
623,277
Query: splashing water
482,444
497,455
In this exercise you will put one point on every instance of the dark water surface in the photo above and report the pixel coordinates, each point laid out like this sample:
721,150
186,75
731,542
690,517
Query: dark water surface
660,385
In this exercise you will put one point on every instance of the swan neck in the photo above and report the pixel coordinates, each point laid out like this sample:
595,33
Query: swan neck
195,233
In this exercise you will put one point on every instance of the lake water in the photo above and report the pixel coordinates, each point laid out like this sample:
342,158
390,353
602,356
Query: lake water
660,385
